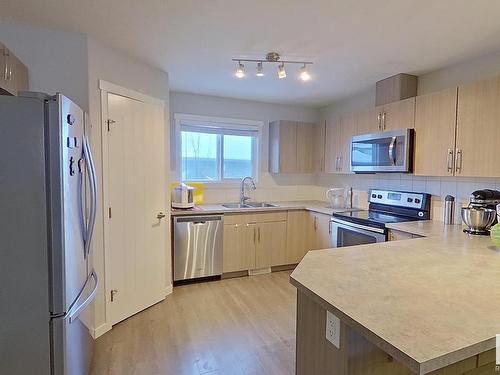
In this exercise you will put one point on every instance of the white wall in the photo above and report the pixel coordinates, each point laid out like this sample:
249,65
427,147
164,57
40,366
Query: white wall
110,65
56,60
270,187
71,63
464,72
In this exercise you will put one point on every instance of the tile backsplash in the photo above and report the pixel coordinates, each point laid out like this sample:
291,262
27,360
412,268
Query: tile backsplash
439,187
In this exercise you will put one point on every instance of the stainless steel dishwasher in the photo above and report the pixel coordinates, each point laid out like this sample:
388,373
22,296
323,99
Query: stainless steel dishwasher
197,246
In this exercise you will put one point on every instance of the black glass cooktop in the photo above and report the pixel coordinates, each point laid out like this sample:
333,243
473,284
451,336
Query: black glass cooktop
371,218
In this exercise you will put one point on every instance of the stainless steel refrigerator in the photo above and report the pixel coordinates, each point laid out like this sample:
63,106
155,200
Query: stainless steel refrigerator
47,216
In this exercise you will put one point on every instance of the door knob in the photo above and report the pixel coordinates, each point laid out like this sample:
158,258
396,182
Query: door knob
160,215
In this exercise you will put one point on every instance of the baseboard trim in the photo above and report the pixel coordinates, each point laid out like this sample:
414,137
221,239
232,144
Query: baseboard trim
101,330
169,289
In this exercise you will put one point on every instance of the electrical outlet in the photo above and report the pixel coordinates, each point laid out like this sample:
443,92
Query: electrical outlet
333,329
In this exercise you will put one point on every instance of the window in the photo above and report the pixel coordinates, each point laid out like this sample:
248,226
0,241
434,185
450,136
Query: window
217,150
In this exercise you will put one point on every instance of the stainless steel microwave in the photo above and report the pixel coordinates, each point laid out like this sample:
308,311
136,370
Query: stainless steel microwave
383,152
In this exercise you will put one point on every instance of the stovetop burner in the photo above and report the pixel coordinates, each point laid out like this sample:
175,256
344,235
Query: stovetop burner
372,218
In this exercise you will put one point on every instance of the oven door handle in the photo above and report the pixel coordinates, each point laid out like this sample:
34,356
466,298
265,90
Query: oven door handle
357,226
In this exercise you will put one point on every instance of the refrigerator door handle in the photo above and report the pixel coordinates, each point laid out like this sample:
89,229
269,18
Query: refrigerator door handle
79,307
93,194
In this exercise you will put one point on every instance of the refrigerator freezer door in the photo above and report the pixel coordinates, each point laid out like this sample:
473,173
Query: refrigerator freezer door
65,130
24,276
72,344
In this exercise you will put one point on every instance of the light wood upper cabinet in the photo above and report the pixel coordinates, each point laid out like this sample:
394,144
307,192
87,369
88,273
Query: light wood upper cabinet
332,145
292,147
319,146
338,136
283,147
13,73
396,115
478,129
368,122
306,157
348,128
435,122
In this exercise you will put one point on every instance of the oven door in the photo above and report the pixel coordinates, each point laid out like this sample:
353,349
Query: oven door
345,233
382,152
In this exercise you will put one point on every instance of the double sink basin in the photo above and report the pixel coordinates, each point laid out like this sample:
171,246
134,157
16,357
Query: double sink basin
249,205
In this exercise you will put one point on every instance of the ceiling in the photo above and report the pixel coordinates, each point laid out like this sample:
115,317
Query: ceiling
352,43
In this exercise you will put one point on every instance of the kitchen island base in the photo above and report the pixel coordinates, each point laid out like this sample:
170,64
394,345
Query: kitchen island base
357,355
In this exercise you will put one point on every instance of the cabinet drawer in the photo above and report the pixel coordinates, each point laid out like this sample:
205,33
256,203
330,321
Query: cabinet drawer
263,217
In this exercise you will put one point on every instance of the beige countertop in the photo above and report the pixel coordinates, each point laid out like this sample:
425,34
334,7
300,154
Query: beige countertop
428,302
316,206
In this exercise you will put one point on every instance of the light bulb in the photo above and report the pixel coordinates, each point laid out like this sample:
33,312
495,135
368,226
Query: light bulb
260,70
240,71
304,74
281,71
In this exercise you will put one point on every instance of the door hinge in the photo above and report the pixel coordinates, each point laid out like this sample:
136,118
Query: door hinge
109,122
109,212
113,292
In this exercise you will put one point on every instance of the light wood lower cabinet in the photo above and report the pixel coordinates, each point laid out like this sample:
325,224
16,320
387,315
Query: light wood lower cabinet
239,247
254,241
320,231
271,244
297,235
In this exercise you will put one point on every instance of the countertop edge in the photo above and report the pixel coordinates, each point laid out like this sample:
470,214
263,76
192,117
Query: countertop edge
217,209
413,364
405,359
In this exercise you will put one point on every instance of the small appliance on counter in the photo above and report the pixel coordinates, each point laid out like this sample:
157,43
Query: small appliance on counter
182,196
481,213
336,197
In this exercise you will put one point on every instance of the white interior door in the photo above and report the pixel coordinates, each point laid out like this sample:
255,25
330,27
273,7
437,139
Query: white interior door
137,189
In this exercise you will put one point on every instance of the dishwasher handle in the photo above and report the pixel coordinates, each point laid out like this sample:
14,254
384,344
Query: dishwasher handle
197,219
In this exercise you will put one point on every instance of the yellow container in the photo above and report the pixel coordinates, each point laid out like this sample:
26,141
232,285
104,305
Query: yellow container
199,189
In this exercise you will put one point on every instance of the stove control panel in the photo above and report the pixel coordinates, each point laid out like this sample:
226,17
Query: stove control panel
399,198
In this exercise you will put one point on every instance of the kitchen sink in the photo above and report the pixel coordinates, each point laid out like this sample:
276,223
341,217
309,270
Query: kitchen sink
235,205
249,205
260,204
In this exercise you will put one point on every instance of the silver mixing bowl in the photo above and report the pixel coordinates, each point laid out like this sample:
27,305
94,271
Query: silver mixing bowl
478,219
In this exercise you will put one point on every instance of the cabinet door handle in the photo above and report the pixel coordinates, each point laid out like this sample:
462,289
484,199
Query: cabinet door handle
340,163
383,120
315,223
329,227
449,161
258,231
254,235
379,121
6,66
458,161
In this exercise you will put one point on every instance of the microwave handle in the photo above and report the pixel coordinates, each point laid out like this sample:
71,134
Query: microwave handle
392,151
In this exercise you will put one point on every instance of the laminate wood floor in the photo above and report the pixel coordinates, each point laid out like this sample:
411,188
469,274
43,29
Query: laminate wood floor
229,327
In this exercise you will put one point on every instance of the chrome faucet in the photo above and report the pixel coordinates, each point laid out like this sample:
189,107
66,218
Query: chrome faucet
243,198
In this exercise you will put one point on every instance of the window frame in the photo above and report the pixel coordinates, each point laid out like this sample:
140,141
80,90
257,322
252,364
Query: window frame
219,122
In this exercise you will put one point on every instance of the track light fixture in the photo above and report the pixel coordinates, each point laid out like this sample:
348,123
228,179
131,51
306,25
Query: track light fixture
273,57
240,70
260,69
304,74
281,71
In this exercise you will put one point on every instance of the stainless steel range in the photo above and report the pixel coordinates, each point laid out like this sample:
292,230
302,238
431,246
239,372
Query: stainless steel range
385,206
